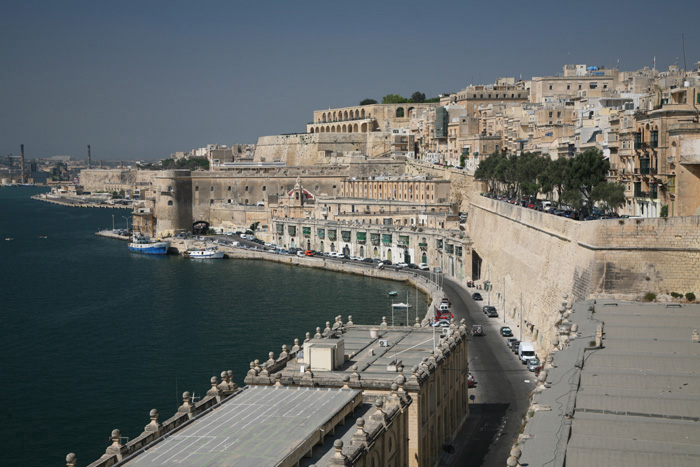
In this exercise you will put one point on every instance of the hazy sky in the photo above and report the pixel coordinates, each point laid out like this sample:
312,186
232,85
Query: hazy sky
142,79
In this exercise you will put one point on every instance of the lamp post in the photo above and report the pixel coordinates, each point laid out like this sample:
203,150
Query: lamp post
112,222
127,222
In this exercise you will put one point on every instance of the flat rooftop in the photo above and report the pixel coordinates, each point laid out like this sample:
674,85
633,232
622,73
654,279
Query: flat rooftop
262,426
374,356
634,402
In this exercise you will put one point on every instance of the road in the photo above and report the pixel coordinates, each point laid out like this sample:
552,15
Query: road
503,384
502,390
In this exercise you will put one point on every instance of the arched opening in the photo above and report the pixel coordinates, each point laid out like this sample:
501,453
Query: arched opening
407,256
322,247
324,117
409,110
362,113
355,127
345,129
424,259
346,115
349,128
375,253
312,129
363,128
388,255
346,250
332,246
399,112
308,244
362,251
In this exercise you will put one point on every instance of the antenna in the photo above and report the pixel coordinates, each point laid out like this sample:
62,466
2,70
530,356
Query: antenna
685,66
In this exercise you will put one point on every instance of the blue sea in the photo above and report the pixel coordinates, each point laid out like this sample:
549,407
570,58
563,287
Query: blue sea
93,337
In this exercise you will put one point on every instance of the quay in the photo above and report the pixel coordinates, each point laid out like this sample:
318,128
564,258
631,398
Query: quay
76,203
112,234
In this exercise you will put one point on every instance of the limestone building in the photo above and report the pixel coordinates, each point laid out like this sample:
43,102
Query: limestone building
431,371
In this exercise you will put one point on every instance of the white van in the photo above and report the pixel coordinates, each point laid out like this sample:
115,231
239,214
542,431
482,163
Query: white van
525,352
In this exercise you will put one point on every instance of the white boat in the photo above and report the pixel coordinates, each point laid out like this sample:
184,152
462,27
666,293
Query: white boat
204,253
145,245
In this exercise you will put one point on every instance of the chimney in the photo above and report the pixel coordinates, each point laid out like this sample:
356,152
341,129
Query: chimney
89,158
21,177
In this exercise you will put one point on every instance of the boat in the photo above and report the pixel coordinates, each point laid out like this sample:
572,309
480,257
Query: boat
204,253
145,245
393,293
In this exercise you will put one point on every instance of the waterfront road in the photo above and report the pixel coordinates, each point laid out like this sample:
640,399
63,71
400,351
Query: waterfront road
502,391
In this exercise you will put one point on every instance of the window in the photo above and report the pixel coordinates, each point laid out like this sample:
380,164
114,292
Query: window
568,86
170,202
211,189
196,188
550,114
550,87
246,188
264,188
229,188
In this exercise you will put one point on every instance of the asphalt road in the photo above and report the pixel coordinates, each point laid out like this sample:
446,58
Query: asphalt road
502,390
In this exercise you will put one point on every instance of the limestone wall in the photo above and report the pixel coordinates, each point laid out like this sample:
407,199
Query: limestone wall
462,187
541,257
308,149
115,179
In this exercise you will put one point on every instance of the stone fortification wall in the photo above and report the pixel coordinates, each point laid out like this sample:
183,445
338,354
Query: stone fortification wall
308,149
115,179
543,257
462,186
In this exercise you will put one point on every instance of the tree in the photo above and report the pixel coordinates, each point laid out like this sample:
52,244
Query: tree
587,170
610,195
417,97
554,175
394,99
367,101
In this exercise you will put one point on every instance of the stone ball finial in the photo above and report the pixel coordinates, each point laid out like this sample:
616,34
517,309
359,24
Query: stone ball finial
515,452
414,370
224,375
153,413
384,319
512,462
116,433
214,380
71,458
186,395
360,422
379,404
394,387
338,444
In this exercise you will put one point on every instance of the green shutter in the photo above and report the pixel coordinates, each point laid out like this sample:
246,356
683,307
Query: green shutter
306,230
345,235
332,234
386,238
292,230
361,236
321,233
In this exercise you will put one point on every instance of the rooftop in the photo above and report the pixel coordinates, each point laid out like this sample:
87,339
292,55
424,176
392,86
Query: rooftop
264,425
635,401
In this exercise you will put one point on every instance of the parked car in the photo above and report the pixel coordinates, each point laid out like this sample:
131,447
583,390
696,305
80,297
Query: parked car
506,331
308,253
514,346
534,364
400,265
470,380
437,270
367,260
412,266
476,296
486,309
492,313
477,330
510,341
441,323
423,267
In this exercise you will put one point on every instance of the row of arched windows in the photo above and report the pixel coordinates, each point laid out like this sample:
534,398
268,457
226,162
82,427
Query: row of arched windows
341,115
345,128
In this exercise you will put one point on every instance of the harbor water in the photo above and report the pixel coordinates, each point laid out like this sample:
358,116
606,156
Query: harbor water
94,337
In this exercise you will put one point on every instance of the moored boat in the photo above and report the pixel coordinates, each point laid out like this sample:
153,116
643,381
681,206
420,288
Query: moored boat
145,245
204,253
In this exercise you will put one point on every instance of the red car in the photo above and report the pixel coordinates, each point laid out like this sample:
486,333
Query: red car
470,380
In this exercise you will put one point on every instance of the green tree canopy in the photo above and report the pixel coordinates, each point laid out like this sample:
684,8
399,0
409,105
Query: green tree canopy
367,101
417,97
587,170
610,195
394,99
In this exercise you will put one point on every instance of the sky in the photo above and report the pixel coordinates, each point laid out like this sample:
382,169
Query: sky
139,80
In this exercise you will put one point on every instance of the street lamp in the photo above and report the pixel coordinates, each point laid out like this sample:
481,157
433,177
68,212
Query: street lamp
113,223
127,222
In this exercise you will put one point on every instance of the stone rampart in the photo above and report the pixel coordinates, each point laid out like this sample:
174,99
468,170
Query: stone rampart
115,179
541,257
308,149
462,187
